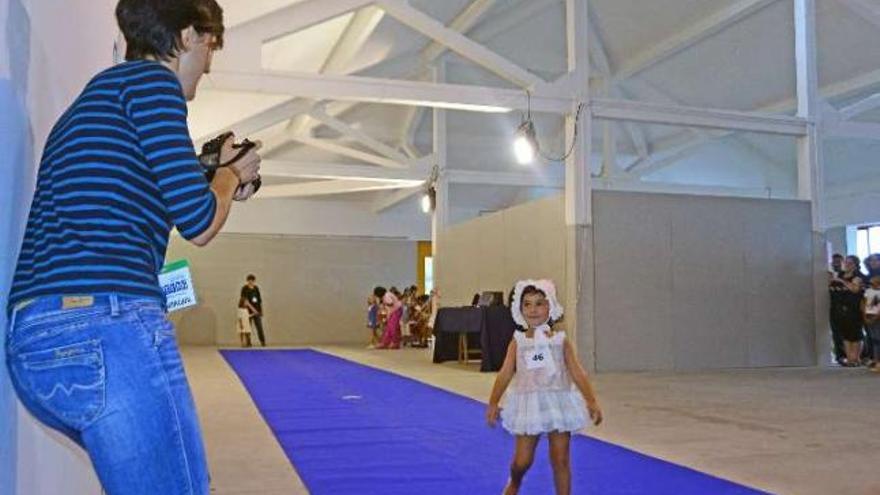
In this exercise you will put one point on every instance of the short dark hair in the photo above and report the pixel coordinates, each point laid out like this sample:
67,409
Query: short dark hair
251,277
152,27
379,291
836,256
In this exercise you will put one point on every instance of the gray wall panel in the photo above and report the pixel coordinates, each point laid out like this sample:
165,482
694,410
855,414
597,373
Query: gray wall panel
314,289
729,280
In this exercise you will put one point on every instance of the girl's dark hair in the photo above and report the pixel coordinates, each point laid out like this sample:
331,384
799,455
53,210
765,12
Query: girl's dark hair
152,27
379,291
242,302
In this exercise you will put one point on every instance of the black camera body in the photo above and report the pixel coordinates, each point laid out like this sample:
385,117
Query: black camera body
210,157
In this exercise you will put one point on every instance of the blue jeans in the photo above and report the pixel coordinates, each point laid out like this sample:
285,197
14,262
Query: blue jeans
105,371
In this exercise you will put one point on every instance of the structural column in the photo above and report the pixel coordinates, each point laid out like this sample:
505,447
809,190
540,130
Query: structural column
440,219
579,266
810,166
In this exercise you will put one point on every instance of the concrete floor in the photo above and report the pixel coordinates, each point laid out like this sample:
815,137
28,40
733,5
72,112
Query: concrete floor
786,431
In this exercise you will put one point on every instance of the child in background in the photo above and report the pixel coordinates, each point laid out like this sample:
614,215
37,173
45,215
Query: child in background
243,322
373,320
394,309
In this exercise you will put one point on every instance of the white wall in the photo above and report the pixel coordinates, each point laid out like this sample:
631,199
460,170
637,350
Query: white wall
45,60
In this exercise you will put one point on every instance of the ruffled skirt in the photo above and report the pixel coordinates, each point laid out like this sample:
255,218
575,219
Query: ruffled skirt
544,411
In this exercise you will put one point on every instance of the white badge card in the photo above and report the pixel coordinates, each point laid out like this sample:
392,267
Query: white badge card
538,357
177,285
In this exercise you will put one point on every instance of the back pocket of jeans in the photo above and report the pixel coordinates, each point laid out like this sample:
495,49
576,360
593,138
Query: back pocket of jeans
68,381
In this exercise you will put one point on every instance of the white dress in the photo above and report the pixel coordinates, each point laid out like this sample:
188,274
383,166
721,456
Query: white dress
243,325
542,398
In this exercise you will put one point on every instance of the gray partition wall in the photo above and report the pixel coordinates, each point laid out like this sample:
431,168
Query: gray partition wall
682,282
314,289
690,282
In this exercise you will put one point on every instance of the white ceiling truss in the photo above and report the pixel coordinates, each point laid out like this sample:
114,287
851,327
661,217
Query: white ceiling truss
322,99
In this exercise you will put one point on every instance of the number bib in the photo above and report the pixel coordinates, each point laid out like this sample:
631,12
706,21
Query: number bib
539,357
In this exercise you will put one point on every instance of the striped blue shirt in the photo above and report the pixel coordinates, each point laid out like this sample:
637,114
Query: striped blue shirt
118,172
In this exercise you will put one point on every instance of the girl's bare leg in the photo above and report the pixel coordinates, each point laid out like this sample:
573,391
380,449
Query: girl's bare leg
522,461
559,460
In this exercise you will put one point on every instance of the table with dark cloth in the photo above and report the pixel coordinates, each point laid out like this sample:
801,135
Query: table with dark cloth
488,327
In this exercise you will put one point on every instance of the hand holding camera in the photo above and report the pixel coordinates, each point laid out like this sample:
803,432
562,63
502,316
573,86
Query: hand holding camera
241,158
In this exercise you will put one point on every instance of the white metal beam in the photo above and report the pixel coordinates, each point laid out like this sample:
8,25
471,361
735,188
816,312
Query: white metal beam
261,120
546,178
655,113
410,127
390,91
334,147
324,188
514,16
810,179
840,89
359,29
694,34
361,26
462,23
440,143
578,133
597,50
358,135
457,42
313,170
862,106
244,41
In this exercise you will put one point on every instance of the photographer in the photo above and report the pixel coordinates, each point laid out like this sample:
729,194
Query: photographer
90,351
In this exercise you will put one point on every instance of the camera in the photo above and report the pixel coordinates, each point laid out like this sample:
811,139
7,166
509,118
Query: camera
209,158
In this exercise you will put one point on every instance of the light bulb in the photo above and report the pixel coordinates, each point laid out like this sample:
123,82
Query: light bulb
426,203
525,145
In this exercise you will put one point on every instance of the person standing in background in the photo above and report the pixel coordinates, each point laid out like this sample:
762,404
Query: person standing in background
251,293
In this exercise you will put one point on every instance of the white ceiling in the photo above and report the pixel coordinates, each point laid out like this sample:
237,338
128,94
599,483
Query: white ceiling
747,66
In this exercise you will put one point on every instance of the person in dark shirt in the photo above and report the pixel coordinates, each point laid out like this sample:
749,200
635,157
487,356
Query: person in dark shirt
251,293
835,289
846,298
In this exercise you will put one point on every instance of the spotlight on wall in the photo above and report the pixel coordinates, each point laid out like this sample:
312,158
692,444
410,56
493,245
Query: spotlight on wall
428,201
429,198
525,144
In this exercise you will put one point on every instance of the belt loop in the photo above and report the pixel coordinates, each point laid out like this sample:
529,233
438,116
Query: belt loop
114,305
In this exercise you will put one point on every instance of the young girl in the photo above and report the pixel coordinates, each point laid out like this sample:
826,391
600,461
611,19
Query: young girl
394,308
243,324
544,367
373,320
